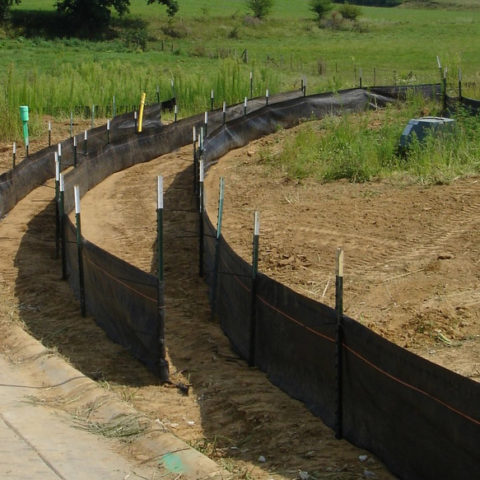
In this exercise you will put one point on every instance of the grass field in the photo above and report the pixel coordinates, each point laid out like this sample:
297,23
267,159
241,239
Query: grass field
202,49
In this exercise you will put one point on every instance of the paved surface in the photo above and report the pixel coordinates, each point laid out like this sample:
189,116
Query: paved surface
41,441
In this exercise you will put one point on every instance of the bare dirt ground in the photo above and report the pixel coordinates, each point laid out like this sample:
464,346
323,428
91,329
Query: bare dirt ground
411,274
412,268
233,414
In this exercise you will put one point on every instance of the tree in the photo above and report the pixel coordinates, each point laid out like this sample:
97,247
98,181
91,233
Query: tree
96,14
320,7
260,8
5,5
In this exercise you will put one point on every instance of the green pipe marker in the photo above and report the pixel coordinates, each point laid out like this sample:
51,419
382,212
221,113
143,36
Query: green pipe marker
24,118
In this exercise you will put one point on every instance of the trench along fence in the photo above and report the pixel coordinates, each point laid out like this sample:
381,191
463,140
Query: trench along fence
422,420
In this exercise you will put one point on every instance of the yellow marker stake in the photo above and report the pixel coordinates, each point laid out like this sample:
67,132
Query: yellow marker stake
140,115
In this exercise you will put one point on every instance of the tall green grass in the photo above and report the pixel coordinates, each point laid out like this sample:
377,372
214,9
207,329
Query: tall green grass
90,83
362,147
201,50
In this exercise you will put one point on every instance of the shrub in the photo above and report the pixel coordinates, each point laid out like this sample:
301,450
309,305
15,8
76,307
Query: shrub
136,38
320,8
260,8
349,11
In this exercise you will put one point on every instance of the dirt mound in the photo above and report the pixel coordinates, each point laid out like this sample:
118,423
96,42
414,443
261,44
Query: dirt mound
411,251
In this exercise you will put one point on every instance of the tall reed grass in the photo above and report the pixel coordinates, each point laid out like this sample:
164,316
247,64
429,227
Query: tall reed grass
69,86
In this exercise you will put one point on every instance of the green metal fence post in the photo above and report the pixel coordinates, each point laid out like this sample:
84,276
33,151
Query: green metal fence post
57,199
253,295
162,362
217,245
81,275
63,241
339,344
201,211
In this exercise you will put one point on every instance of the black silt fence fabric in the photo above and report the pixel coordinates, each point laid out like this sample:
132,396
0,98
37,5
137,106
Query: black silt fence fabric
287,114
234,297
295,346
470,105
115,302
38,167
420,418
403,92
121,298
436,434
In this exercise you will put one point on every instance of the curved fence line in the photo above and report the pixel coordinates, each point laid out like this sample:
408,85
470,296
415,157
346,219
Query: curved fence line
420,419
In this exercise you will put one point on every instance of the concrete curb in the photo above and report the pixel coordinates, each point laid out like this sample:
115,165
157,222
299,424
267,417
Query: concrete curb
155,446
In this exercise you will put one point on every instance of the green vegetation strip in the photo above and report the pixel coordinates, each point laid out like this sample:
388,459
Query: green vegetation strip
364,147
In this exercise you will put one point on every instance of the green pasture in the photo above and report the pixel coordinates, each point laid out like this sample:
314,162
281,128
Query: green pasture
204,47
